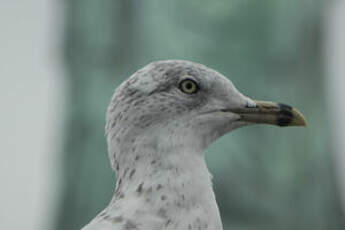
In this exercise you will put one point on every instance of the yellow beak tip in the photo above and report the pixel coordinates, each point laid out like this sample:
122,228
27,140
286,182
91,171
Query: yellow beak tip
298,119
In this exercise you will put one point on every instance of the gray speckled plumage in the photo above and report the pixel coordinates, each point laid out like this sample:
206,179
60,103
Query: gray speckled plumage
156,137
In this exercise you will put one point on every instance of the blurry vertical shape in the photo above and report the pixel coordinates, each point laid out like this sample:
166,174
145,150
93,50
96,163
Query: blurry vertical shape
97,50
31,89
335,67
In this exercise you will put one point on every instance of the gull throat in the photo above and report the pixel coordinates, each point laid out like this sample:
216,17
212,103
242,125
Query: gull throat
164,185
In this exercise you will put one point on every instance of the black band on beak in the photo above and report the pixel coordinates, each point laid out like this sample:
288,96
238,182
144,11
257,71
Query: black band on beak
285,115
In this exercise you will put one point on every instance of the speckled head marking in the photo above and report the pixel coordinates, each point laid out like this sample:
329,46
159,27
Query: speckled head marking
152,97
159,123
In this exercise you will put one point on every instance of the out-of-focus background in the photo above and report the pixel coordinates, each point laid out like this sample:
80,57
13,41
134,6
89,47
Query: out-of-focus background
60,62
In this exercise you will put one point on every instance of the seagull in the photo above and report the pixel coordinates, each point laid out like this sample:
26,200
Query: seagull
160,121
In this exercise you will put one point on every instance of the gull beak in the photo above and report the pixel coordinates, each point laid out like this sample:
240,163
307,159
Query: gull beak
265,112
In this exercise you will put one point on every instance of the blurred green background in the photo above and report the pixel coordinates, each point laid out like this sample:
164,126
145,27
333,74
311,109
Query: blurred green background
264,177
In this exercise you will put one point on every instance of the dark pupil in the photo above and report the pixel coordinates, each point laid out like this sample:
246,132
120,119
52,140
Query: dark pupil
189,85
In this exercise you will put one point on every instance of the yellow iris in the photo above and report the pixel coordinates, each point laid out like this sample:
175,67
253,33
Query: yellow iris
189,86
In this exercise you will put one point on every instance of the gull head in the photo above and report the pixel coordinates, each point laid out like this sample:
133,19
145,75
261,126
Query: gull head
159,123
182,104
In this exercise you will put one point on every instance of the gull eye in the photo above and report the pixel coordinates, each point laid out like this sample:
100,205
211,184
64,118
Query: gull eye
189,86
